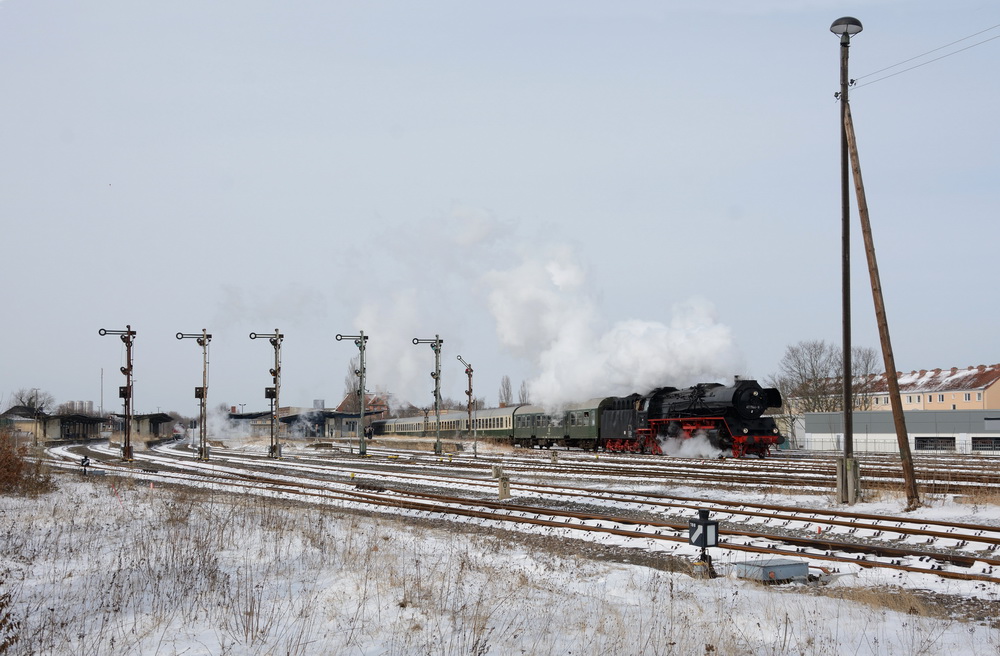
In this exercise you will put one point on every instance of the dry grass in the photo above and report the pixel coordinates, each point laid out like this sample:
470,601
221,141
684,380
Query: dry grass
891,598
981,496
18,473
9,626
174,570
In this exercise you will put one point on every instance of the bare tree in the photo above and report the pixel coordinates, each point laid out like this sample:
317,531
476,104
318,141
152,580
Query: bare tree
406,410
34,399
523,394
866,364
448,403
506,394
807,377
810,379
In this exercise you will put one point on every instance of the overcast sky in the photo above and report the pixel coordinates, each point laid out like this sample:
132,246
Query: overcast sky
596,197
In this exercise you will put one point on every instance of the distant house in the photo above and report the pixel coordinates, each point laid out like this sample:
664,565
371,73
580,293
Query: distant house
376,406
972,388
23,420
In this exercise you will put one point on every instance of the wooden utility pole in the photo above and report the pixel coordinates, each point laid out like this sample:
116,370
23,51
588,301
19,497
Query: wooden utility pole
909,478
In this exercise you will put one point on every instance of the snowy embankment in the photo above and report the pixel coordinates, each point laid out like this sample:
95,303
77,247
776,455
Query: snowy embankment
112,566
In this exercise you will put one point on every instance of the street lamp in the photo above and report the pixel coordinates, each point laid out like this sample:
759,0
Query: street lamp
845,28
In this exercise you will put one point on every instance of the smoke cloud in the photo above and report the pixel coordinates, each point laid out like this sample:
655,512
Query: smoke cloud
542,310
545,312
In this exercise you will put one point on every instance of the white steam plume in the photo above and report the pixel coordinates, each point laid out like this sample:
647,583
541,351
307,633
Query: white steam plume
696,446
544,312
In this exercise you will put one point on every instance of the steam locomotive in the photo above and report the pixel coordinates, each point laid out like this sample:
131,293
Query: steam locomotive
729,417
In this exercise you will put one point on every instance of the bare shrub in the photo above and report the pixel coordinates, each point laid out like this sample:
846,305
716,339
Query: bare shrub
18,473
9,626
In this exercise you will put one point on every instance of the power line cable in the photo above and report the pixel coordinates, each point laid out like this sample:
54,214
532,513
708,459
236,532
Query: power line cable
930,61
947,45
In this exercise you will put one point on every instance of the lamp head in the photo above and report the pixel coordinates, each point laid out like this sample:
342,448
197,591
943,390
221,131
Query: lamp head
846,27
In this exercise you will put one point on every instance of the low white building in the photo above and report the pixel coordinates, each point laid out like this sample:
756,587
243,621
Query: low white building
955,431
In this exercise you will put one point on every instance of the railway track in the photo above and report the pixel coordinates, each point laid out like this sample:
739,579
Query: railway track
805,473
644,520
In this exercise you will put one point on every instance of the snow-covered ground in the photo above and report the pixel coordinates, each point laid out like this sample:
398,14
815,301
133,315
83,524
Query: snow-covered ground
110,565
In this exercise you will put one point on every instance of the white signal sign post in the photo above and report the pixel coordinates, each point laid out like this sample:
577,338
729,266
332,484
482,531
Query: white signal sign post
704,533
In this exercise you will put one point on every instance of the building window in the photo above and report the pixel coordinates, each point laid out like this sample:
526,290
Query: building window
934,443
909,399
968,396
918,398
979,396
940,398
986,443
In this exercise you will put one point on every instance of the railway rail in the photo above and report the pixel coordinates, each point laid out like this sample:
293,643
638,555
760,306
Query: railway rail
804,472
654,521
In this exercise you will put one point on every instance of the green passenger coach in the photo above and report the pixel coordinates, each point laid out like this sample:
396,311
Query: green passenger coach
577,424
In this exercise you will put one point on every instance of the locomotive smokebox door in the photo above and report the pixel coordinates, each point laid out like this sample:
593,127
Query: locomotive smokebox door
703,532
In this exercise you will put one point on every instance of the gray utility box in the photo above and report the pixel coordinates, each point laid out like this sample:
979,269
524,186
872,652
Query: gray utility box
773,570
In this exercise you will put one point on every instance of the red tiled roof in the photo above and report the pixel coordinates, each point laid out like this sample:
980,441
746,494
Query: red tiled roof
940,380
372,401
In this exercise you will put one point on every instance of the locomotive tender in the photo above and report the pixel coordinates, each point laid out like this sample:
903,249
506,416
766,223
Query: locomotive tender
730,417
